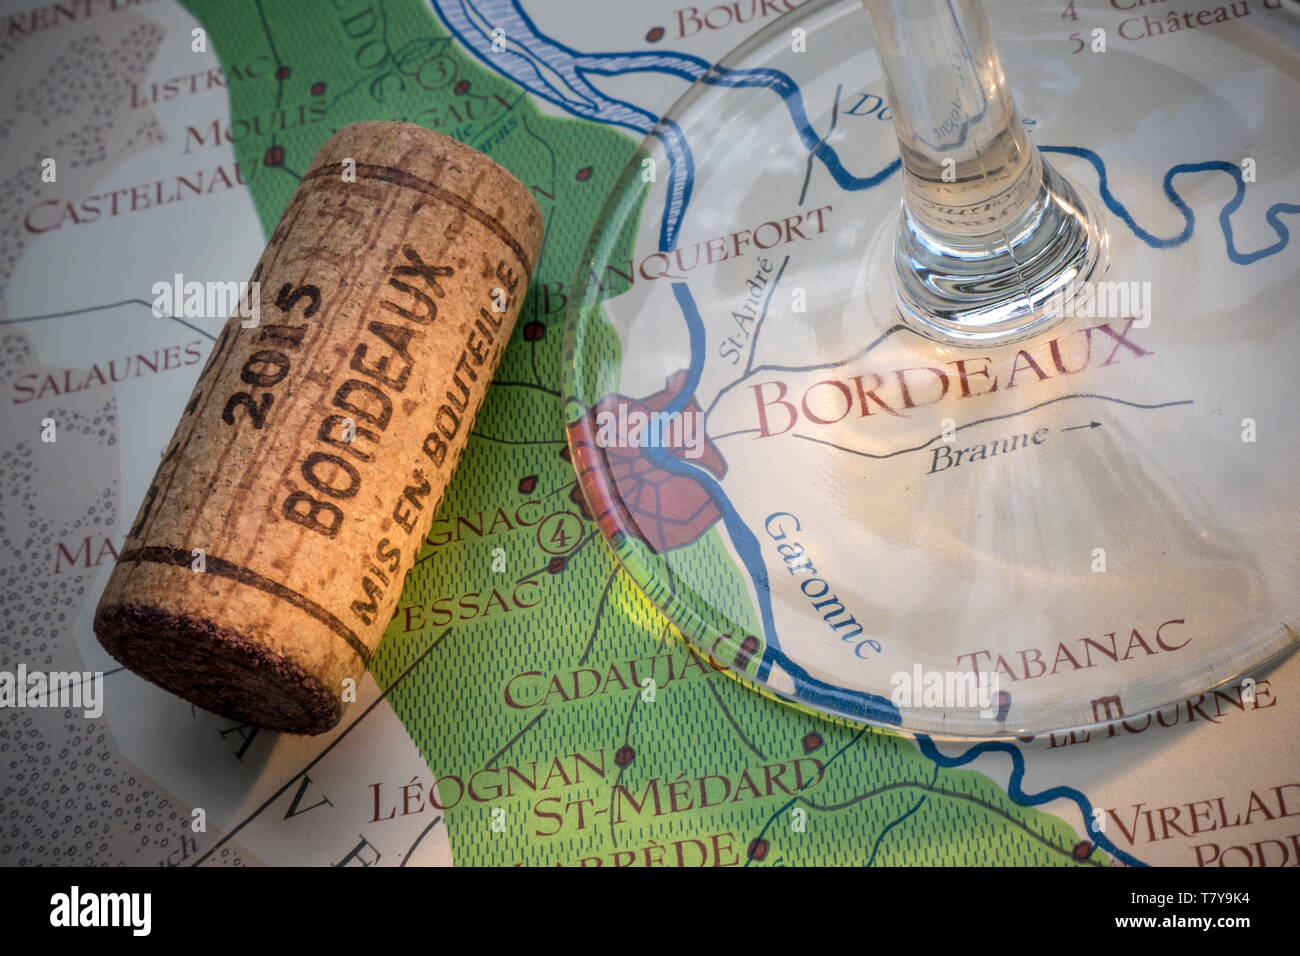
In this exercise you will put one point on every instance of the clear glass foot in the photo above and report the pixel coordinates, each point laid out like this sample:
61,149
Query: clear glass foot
835,497
1005,292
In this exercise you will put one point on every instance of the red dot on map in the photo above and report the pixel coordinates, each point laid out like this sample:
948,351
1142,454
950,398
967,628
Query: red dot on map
526,485
624,756
576,497
758,849
583,174
317,89
461,88
274,156
533,331
654,35
1082,850
811,742
556,565
282,73
747,648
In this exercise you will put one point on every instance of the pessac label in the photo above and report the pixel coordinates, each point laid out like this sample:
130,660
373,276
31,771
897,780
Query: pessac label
318,441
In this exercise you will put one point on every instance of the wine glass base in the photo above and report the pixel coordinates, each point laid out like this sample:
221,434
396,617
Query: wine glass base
986,539
1020,287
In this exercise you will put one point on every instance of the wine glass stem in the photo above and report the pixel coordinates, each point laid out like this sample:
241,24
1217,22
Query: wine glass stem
968,165
992,239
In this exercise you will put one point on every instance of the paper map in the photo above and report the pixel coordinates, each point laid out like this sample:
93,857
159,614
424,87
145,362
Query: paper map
504,719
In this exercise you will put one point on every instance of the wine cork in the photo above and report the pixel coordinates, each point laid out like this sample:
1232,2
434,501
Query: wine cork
270,550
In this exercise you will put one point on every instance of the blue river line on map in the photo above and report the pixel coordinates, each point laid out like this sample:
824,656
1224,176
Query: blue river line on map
535,61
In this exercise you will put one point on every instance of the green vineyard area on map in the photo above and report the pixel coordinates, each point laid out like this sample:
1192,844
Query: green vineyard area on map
562,718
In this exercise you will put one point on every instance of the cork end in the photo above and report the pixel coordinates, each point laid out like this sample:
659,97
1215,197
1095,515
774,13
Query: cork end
442,161
217,669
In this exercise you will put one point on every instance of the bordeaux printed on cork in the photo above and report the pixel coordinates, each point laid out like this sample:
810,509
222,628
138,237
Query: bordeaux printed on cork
270,549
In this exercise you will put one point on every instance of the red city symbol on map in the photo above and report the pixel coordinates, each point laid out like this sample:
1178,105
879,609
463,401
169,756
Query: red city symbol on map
665,509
